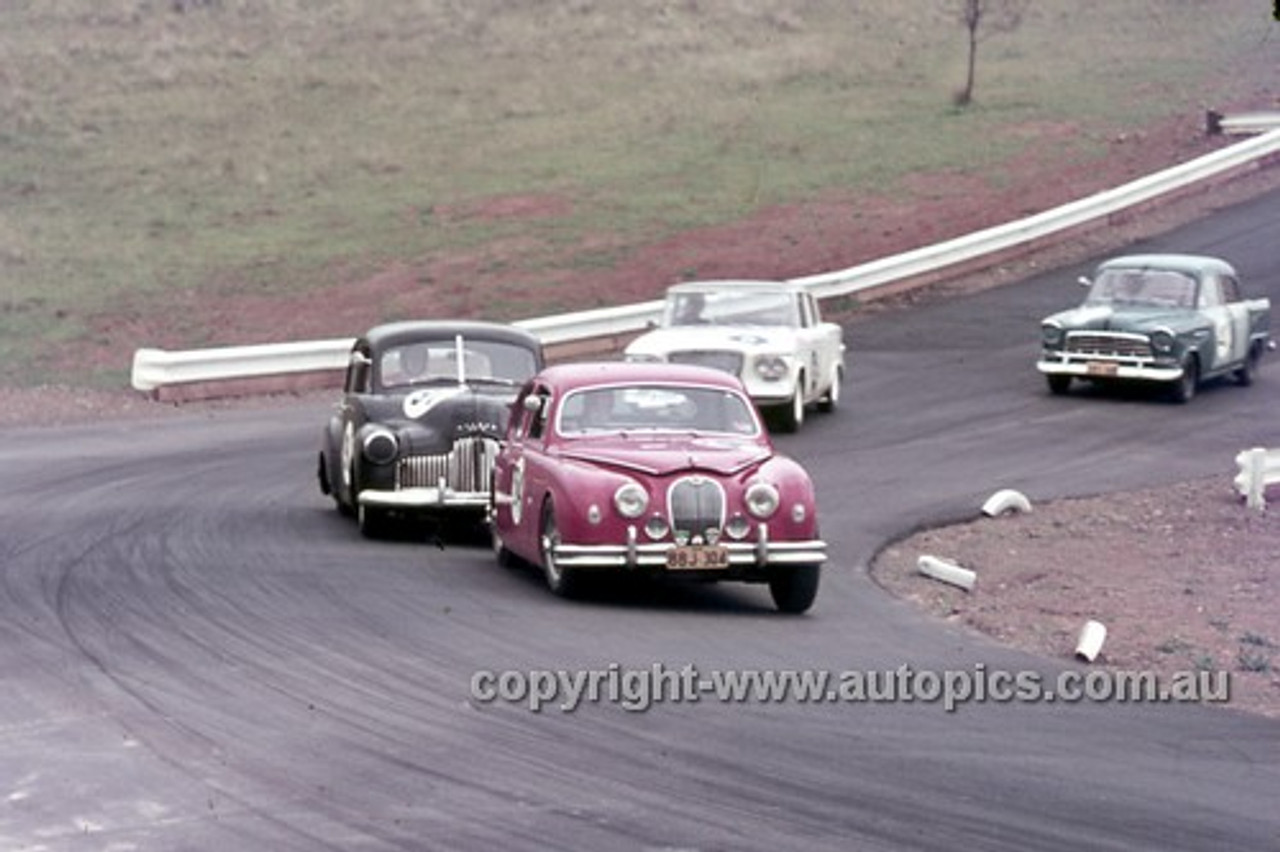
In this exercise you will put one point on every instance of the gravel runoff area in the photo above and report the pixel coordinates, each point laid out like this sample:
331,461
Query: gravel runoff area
1185,578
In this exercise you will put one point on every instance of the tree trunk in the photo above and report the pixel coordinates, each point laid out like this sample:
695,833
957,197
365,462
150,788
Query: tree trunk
967,95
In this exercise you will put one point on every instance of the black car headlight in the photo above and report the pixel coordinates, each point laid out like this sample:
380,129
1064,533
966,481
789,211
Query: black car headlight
380,445
1162,341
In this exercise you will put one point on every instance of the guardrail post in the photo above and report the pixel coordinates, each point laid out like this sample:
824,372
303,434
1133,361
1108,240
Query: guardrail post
1212,122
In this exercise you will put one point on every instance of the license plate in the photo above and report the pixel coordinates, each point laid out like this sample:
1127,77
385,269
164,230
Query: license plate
1100,368
697,557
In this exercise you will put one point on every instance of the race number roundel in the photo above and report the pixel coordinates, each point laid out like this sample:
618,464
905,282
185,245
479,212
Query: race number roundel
517,492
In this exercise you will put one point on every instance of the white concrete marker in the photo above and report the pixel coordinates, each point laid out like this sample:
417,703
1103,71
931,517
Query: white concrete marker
1006,500
947,572
1089,645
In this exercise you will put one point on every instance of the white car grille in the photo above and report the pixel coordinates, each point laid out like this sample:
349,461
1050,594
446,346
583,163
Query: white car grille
728,361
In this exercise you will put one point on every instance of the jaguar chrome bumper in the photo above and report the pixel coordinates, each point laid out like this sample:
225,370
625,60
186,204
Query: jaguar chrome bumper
761,553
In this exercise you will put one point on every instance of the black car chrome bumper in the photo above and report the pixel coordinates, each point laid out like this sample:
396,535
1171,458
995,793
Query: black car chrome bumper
440,497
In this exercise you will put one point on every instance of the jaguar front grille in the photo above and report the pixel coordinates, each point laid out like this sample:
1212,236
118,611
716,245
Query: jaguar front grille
696,504
467,467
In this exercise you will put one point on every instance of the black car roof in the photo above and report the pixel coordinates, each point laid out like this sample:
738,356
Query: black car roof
395,333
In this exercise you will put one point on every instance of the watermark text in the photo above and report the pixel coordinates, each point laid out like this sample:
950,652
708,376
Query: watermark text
639,689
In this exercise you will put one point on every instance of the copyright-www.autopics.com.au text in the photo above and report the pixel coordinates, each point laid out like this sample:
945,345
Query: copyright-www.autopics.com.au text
639,689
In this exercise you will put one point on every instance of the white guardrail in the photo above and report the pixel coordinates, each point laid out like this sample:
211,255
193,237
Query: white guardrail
1242,123
157,368
1259,468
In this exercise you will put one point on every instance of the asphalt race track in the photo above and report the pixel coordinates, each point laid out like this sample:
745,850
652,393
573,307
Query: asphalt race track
198,653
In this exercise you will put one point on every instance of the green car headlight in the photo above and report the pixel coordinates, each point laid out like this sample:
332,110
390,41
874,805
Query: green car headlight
1051,334
1162,341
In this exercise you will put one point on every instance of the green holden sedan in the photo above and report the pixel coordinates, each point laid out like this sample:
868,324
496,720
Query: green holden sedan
1175,319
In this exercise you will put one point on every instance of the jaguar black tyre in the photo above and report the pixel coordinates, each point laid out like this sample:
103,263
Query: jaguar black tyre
794,588
561,580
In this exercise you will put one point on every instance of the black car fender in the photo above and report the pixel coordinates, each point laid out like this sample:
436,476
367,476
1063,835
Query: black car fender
330,451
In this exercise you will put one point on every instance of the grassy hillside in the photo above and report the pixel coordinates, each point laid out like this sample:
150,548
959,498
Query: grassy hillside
152,150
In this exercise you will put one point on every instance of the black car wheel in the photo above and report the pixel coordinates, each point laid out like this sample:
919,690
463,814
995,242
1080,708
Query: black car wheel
1185,388
790,415
794,587
1249,369
373,522
831,400
561,580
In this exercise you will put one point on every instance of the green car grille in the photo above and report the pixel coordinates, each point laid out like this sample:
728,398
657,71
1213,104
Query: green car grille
1113,345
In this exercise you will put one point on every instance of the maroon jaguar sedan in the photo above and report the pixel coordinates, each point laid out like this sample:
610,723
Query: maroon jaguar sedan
660,469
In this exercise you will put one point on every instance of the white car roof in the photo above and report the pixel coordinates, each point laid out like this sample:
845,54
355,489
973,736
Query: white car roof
735,285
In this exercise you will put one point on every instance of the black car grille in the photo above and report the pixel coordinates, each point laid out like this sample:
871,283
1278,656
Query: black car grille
467,467
696,505
729,362
1108,345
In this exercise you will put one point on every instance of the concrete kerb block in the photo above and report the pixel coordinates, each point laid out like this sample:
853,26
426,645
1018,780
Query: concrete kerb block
947,572
1089,643
1005,502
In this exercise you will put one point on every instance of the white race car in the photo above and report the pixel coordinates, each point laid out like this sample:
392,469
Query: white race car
768,333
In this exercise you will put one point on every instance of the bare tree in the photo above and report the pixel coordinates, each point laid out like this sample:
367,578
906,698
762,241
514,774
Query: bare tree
982,18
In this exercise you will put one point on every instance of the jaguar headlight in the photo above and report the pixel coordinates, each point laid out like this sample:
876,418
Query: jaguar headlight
761,500
1162,341
656,527
380,445
738,527
771,368
630,500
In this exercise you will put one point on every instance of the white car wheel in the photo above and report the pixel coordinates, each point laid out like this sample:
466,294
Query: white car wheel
831,401
790,415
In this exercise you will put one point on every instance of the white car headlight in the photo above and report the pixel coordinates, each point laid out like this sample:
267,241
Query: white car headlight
761,499
630,500
771,368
